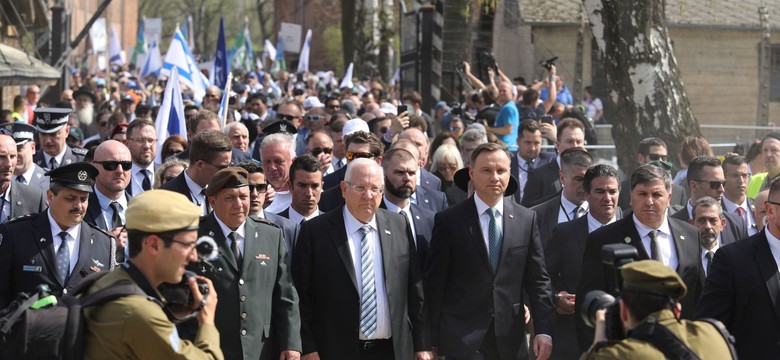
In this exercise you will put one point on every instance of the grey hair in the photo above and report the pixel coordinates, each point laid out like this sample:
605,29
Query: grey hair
472,135
230,126
446,152
279,138
707,202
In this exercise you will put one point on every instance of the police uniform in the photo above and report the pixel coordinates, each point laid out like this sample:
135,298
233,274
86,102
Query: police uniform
137,326
28,255
51,120
35,175
650,276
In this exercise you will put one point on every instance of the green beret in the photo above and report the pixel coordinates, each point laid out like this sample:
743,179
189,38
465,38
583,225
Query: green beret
228,178
651,276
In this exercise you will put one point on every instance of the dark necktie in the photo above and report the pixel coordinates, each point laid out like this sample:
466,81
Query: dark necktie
205,201
494,238
147,182
20,178
709,256
63,258
52,164
655,251
576,212
116,220
234,248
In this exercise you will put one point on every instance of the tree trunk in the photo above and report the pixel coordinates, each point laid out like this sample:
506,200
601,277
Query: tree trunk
348,30
646,93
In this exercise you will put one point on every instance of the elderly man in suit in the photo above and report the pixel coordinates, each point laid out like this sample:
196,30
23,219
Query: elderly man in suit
572,202
251,276
107,204
649,150
735,200
361,294
16,199
742,288
485,257
708,217
653,233
55,247
27,172
566,246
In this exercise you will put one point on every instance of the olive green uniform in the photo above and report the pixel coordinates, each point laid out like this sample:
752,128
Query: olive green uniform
701,337
135,327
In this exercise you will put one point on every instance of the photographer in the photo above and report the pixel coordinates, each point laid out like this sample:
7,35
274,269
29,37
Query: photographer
161,243
649,314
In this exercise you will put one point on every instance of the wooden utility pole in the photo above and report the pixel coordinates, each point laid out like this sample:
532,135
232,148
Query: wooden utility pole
764,73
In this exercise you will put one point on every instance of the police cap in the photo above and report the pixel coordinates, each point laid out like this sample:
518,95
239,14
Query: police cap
77,176
21,132
51,120
653,277
281,126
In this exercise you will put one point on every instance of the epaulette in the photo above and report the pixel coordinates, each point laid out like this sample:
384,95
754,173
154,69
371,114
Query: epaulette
263,221
106,233
24,217
80,151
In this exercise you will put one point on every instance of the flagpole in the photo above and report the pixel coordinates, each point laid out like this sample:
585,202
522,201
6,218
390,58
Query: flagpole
228,88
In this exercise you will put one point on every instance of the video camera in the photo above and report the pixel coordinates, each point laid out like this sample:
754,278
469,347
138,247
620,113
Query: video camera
547,64
615,256
487,61
180,300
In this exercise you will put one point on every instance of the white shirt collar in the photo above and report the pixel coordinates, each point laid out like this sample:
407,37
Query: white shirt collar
57,157
395,208
296,217
643,229
195,189
105,202
482,206
226,230
594,224
570,206
353,225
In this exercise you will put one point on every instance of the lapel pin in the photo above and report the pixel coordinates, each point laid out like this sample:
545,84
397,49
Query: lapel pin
68,161
682,237
388,232
417,217
511,216
97,263
219,269
262,257
255,234
211,233
263,263
91,241
32,261
42,240
426,201
19,203
627,239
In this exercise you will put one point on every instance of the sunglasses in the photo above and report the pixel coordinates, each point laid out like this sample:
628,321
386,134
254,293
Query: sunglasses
657,157
383,129
314,117
358,155
319,150
261,188
112,165
286,117
714,184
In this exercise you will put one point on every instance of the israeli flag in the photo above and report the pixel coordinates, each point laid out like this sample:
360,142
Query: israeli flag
180,58
303,61
170,118
114,48
153,62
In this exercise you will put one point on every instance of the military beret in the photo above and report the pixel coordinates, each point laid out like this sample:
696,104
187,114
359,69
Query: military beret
158,211
51,120
462,178
229,178
77,176
21,132
652,276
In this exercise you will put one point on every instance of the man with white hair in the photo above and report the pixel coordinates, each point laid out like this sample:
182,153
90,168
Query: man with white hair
278,152
239,135
212,98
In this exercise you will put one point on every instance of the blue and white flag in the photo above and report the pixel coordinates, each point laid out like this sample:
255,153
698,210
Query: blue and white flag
170,118
221,67
153,62
303,61
180,57
224,104
114,48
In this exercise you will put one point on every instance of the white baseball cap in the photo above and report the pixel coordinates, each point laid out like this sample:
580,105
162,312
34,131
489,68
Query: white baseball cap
312,102
354,125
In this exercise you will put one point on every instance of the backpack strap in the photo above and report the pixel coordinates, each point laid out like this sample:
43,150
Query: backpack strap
10,320
662,339
730,341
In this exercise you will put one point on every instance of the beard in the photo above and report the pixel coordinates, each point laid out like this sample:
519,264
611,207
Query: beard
708,239
86,115
404,191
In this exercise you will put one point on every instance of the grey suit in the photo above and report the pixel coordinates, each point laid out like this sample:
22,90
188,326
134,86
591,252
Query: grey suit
735,228
433,200
72,155
38,179
25,200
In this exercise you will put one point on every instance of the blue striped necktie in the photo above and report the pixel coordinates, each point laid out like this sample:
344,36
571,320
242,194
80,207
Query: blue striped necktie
368,301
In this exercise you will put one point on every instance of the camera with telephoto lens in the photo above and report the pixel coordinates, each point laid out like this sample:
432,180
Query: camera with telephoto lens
180,301
488,61
547,64
615,256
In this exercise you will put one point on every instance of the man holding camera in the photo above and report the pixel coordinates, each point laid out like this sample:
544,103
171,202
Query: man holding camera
161,244
649,315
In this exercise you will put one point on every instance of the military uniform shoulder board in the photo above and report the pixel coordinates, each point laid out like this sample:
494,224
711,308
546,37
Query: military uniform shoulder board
24,217
263,221
79,151
106,233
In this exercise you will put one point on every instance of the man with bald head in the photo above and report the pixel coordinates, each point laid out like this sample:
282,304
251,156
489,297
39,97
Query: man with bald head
212,98
16,199
108,201
424,177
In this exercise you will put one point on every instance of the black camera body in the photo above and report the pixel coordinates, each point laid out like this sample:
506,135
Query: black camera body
488,61
179,297
547,64
615,256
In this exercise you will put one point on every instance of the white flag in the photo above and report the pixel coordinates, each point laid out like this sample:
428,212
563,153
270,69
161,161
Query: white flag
269,51
303,61
346,82
114,48
153,62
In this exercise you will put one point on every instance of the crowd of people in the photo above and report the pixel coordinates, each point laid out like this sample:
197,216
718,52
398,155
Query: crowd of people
350,224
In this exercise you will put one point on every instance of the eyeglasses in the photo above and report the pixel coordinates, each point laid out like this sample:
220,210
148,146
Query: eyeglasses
149,141
714,184
447,167
772,202
188,246
657,157
744,176
314,117
286,117
261,188
373,190
113,165
319,150
223,166
383,129
358,155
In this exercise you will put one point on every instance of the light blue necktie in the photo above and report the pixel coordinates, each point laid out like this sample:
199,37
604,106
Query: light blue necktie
63,258
494,238
368,301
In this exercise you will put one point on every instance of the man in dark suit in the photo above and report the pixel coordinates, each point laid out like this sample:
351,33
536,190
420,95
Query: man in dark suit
142,143
53,130
743,287
425,178
485,257
257,190
735,200
27,172
55,247
306,188
529,155
16,199
400,172
545,182
205,120
360,288
108,202
654,235
209,153
705,177
653,149
565,248
359,144
251,276
572,202
427,195
708,217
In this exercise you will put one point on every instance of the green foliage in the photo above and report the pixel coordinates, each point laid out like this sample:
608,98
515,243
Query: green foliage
334,49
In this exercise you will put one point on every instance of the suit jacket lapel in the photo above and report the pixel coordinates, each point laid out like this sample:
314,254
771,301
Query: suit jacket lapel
210,223
86,240
582,228
42,235
769,272
13,196
386,246
95,212
677,240
510,225
629,229
474,228
252,246
339,236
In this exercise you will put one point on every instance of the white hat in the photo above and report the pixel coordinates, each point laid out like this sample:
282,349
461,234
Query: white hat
352,126
312,102
388,109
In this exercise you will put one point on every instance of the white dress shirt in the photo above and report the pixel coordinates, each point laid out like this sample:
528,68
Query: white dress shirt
747,214
28,175
594,224
484,218
195,191
105,208
383,324
58,158
407,212
137,178
703,255
663,239
567,208
282,200
296,217
240,232
73,240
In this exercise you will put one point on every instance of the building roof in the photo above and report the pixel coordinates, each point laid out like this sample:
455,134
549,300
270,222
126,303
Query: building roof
679,13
